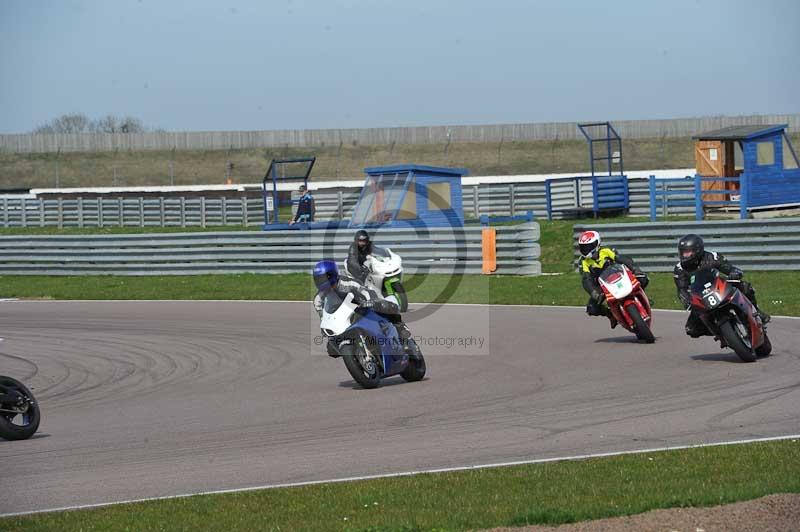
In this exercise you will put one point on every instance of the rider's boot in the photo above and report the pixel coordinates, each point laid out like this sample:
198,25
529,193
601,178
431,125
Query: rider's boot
751,295
402,330
612,320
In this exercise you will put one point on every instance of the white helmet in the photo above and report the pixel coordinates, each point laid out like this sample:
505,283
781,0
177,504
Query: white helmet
589,244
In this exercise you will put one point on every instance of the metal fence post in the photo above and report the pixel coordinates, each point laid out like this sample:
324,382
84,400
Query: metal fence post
626,193
141,211
41,213
698,198
80,212
224,210
665,200
244,210
744,191
183,211
548,200
202,211
100,221
161,210
5,212
476,205
511,199
652,188
340,203
121,210
60,213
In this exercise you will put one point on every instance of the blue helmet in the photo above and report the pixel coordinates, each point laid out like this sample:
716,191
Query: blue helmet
326,275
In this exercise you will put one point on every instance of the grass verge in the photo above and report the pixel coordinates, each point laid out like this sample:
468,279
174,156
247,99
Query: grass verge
549,493
778,292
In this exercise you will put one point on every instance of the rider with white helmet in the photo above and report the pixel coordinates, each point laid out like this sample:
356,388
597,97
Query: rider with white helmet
594,259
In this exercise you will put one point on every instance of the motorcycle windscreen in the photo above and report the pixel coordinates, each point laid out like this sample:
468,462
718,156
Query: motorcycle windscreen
616,281
612,274
702,280
380,252
332,303
704,285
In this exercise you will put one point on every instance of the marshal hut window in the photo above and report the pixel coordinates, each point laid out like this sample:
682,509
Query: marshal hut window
765,153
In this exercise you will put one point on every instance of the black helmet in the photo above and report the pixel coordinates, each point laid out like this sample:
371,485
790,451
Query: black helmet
690,251
362,239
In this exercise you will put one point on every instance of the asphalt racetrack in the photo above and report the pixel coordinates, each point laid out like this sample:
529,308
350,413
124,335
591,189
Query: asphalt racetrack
150,399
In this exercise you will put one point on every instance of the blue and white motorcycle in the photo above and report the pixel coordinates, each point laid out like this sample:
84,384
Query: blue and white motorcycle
368,343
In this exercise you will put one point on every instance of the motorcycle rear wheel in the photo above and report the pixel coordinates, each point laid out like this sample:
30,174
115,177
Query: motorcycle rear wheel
734,339
18,426
354,358
643,331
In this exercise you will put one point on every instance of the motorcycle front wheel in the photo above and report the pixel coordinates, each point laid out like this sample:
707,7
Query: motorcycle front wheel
18,420
400,293
732,332
361,365
415,371
766,348
640,326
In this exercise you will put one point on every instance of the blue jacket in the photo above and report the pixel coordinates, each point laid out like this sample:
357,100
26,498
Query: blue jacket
305,208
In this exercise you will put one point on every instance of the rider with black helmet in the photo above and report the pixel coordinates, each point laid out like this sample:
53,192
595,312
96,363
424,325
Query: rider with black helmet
357,254
693,257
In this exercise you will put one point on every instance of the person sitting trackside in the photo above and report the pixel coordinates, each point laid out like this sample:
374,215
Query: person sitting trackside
594,260
327,279
693,257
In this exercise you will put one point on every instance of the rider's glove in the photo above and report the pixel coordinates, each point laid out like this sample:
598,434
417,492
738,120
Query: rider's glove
598,296
367,303
735,275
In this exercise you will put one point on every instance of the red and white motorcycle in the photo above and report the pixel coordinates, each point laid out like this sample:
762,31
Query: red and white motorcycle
627,301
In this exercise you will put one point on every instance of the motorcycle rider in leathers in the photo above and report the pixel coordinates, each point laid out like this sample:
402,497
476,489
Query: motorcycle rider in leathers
357,255
594,260
327,278
693,257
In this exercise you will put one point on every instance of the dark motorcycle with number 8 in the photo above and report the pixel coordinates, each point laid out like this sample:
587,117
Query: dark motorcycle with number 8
729,315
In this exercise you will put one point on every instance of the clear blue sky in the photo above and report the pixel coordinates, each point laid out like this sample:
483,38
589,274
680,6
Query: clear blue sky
292,64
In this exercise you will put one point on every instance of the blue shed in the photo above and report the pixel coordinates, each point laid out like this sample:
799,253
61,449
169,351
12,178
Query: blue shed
410,195
761,157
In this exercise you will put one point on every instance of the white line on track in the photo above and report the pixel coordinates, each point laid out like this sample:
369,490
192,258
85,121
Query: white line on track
407,474
306,301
